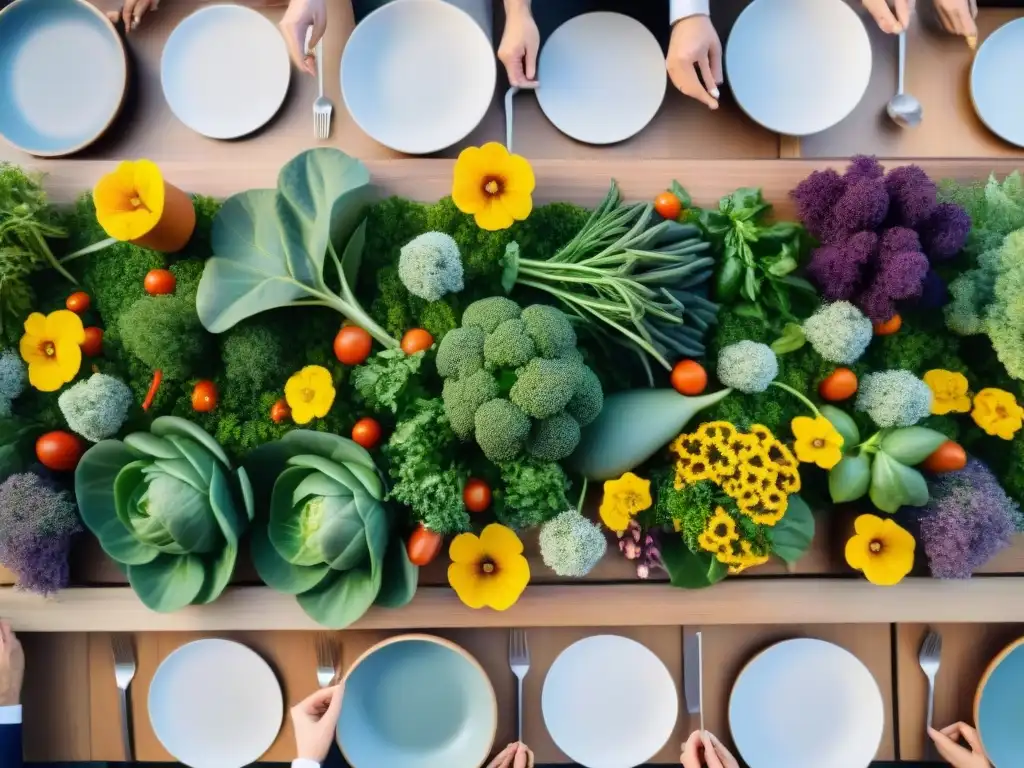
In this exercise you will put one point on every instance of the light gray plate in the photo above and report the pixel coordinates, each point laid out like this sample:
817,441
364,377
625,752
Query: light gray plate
63,75
995,82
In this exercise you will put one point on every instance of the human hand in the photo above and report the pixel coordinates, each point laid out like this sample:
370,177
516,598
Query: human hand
695,42
515,755
889,22
300,16
704,749
12,666
957,17
520,43
315,719
946,741
131,12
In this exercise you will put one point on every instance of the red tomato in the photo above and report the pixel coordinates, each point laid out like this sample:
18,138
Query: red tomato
416,340
476,495
839,385
668,205
689,377
948,457
93,344
59,451
352,345
159,282
280,411
78,302
423,545
204,396
889,327
367,433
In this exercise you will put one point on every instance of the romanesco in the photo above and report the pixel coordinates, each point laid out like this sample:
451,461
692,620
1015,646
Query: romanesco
571,545
894,398
839,332
97,407
430,266
747,366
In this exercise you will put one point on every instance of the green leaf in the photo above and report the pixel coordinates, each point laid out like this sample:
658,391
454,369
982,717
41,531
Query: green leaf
792,535
683,196
217,570
400,576
352,258
727,283
799,284
510,267
388,379
782,265
334,447
751,285
166,426
912,445
168,583
278,573
687,569
894,485
14,437
341,598
849,479
792,339
844,424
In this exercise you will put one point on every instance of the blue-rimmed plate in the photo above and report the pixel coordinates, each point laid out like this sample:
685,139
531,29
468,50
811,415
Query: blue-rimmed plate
63,75
417,701
997,707
994,82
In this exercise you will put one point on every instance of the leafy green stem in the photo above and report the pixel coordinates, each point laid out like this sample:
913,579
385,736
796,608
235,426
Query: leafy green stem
799,396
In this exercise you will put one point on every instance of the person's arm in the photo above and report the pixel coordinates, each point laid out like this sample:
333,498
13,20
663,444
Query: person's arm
12,670
10,737
682,9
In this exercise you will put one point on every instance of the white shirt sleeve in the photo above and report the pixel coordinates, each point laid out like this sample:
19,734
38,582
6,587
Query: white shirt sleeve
305,762
681,9
12,716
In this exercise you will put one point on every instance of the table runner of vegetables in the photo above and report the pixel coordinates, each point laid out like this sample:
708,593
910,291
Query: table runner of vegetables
342,388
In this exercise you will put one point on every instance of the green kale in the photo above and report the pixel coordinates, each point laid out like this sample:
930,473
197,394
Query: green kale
534,492
164,332
388,379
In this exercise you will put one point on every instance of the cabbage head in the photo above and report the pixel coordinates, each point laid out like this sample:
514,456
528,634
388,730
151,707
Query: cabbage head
168,507
323,531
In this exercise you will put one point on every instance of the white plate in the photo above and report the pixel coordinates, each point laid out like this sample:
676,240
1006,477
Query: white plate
602,77
995,82
225,71
215,704
806,704
798,67
418,75
609,702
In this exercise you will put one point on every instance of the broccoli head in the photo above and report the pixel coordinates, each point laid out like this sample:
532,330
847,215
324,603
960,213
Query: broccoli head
460,353
490,313
588,401
544,387
501,430
509,345
463,396
551,330
430,266
554,438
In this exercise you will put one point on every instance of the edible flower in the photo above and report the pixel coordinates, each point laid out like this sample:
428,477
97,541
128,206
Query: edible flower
309,393
130,200
488,570
52,348
817,441
623,498
949,391
997,412
881,549
493,185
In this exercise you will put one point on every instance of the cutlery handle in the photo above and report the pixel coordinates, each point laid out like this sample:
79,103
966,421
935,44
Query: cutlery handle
520,720
126,737
320,65
903,60
931,704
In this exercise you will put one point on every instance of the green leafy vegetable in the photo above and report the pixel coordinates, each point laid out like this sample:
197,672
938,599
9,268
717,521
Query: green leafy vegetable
385,380
688,569
894,485
792,535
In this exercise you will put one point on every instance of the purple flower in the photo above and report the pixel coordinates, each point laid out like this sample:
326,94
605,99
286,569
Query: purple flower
862,206
837,269
911,196
815,197
641,547
898,240
863,167
944,233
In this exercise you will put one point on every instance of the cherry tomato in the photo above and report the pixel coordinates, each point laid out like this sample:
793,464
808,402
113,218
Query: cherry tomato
889,327
476,495
416,340
159,282
668,205
689,377
280,411
78,302
59,451
93,344
352,345
841,384
367,433
423,545
204,396
948,457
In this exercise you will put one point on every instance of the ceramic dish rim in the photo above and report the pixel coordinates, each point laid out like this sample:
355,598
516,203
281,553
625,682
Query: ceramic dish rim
198,641
163,69
991,668
867,83
639,130
492,68
123,77
974,101
444,643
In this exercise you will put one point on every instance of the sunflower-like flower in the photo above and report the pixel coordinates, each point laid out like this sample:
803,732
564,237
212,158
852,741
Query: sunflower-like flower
720,529
496,187
780,456
716,431
52,348
746,559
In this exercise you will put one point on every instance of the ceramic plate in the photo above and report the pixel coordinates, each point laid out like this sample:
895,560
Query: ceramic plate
798,67
63,75
215,704
225,71
602,77
995,86
997,707
806,704
417,701
609,702
418,75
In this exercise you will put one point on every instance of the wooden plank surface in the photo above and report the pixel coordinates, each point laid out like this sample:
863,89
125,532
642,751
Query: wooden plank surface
57,711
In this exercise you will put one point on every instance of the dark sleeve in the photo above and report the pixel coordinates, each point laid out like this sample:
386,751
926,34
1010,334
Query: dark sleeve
10,746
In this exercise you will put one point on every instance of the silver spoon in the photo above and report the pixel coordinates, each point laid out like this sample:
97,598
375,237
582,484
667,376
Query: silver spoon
904,109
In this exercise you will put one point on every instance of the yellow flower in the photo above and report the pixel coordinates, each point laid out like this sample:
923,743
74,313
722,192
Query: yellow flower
781,456
130,200
715,431
52,348
769,509
688,445
309,393
949,391
697,469
623,498
788,480
817,441
881,549
489,570
721,527
746,559
762,433
996,411
493,185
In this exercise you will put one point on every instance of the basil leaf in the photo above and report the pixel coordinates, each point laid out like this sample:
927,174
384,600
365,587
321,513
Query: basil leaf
729,276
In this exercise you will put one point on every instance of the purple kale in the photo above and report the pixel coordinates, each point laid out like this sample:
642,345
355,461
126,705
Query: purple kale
944,233
863,167
815,197
968,519
837,269
898,240
911,196
862,206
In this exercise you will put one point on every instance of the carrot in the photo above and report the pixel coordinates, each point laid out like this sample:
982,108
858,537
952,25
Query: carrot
158,376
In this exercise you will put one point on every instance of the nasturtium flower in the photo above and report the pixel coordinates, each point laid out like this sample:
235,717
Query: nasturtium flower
52,348
488,570
817,441
130,199
881,549
623,498
496,187
949,391
310,393
997,412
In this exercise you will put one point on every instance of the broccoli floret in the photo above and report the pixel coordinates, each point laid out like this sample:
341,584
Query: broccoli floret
97,407
545,387
489,313
534,492
253,359
437,318
164,332
588,401
430,266
571,545
894,398
461,352
839,332
550,329
555,438
462,398
747,366
508,345
13,375
501,430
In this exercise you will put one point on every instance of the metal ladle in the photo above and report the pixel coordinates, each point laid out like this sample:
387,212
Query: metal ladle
904,109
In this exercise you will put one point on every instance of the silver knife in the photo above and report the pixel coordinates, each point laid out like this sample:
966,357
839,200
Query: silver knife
693,683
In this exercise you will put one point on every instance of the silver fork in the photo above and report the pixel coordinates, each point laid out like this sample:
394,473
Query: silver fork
124,673
326,660
322,107
929,658
519,661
